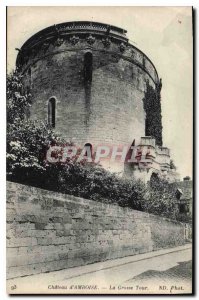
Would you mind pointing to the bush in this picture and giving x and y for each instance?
(27, 141)
(161, 199)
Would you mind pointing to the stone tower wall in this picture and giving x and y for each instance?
(107, 110)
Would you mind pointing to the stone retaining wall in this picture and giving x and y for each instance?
(48, 231)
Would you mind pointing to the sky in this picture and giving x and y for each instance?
(164, 34)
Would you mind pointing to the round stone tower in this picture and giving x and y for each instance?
(89, 83)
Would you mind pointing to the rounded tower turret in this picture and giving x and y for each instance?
(88, 82)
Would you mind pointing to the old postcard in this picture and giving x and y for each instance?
(99, 150)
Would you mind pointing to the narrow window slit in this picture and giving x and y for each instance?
(88, 67)
(51, 112)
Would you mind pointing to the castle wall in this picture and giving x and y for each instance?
(111, 101)
(48, 231)
(109, 109)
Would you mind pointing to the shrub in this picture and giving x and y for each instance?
(161, 199)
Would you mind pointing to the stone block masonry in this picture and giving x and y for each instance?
(103, 107)
(48, 231)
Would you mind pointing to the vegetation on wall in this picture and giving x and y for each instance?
(27, 143)
(152, 107)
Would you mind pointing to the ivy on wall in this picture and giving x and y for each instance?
(152, 107)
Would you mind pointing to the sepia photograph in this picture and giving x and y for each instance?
(99, 150)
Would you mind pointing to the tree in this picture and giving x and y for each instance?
(18, 100)
(26, 140)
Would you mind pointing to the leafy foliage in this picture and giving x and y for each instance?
(26, 140)
(152, 108)
(161, 199)
(26, 145)
(18, 100)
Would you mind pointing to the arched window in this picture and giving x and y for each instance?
(51, 112)
(88, 67)
(89, 147)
